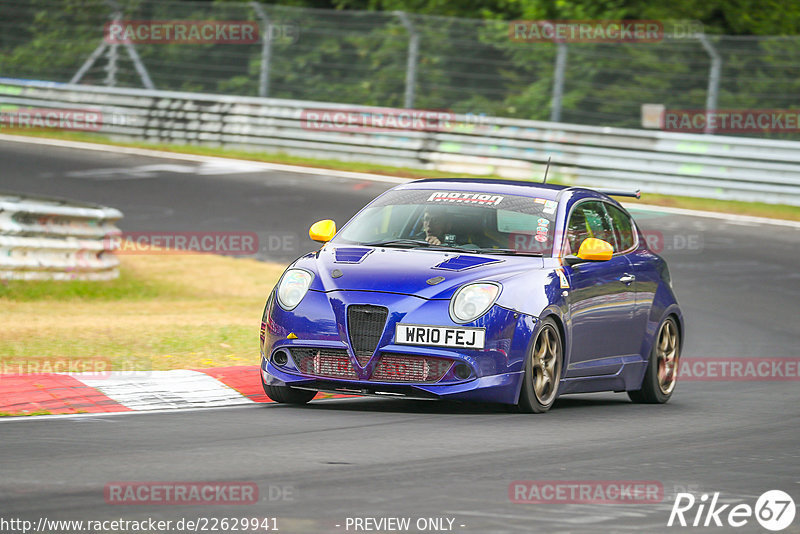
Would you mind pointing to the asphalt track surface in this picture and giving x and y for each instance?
(738, 285)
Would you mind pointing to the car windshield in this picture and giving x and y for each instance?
(458, 220)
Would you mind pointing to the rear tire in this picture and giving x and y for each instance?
(662, 367)
(542, 375)
(287, 394)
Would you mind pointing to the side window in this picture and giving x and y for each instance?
(588, 219)
(622, 227)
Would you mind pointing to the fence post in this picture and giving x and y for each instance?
(558, 82)
(88, 63)
(112, 56)
(411, 63)
(139, 66)
(266, 50)
(713, 80)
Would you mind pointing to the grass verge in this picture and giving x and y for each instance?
(758, 209)
(25, 414)
(163, 312)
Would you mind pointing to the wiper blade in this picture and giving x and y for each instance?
(508, 251)
(412, 243)
(399, 242)
(452, 247)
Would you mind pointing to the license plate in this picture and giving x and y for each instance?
(439, 336)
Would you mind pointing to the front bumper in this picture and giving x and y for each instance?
(502, 388)
(496, 370)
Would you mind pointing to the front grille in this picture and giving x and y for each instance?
(365, 327)
(402, 368)
(331, 363)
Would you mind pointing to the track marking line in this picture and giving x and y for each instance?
(220, 161)
(67, 417)
(250, 405)
(216, 160)
(165, 389)
(52, 392)
(729, 217)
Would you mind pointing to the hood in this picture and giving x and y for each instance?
(430, 274)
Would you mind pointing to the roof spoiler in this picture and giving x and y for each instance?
(637, 194)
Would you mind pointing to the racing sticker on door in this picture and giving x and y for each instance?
(562, 278)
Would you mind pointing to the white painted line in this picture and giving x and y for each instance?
(160, 390)
(219, 161)
(730, 217)
(66, 416)
(255, 165)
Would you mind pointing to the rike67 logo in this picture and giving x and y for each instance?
(774, 510)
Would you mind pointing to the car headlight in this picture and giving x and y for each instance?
(293, 287)
(472, 301)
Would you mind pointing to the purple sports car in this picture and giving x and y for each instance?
(476, 290)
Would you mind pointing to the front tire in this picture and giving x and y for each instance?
(662, 368)
(287, 394)
(542, 370)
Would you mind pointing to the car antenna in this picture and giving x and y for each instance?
(546, 169)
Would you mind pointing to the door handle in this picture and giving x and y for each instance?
(627, 278)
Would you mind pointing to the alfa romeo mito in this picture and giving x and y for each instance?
(476, 290)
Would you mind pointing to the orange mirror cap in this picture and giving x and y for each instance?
(595, 250)
(322, 231)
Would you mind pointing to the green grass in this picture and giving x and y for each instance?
(25, 414)
(128, 286)
(164, 312)
(758, 209)
(156, 348)
(271, 157)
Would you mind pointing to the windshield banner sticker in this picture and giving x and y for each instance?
(465, 198)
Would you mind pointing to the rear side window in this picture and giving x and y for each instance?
(622, 227)
(589, 219)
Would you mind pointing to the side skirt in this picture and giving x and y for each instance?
(628, 378)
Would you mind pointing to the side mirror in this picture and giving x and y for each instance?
(591, 250)
(322, 231)
(595, 250)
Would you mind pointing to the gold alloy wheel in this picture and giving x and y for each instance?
(546, 365)
(667, 356)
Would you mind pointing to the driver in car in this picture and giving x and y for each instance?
(436, 227)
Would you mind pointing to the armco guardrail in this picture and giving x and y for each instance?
(710, 166)
(51, 239)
